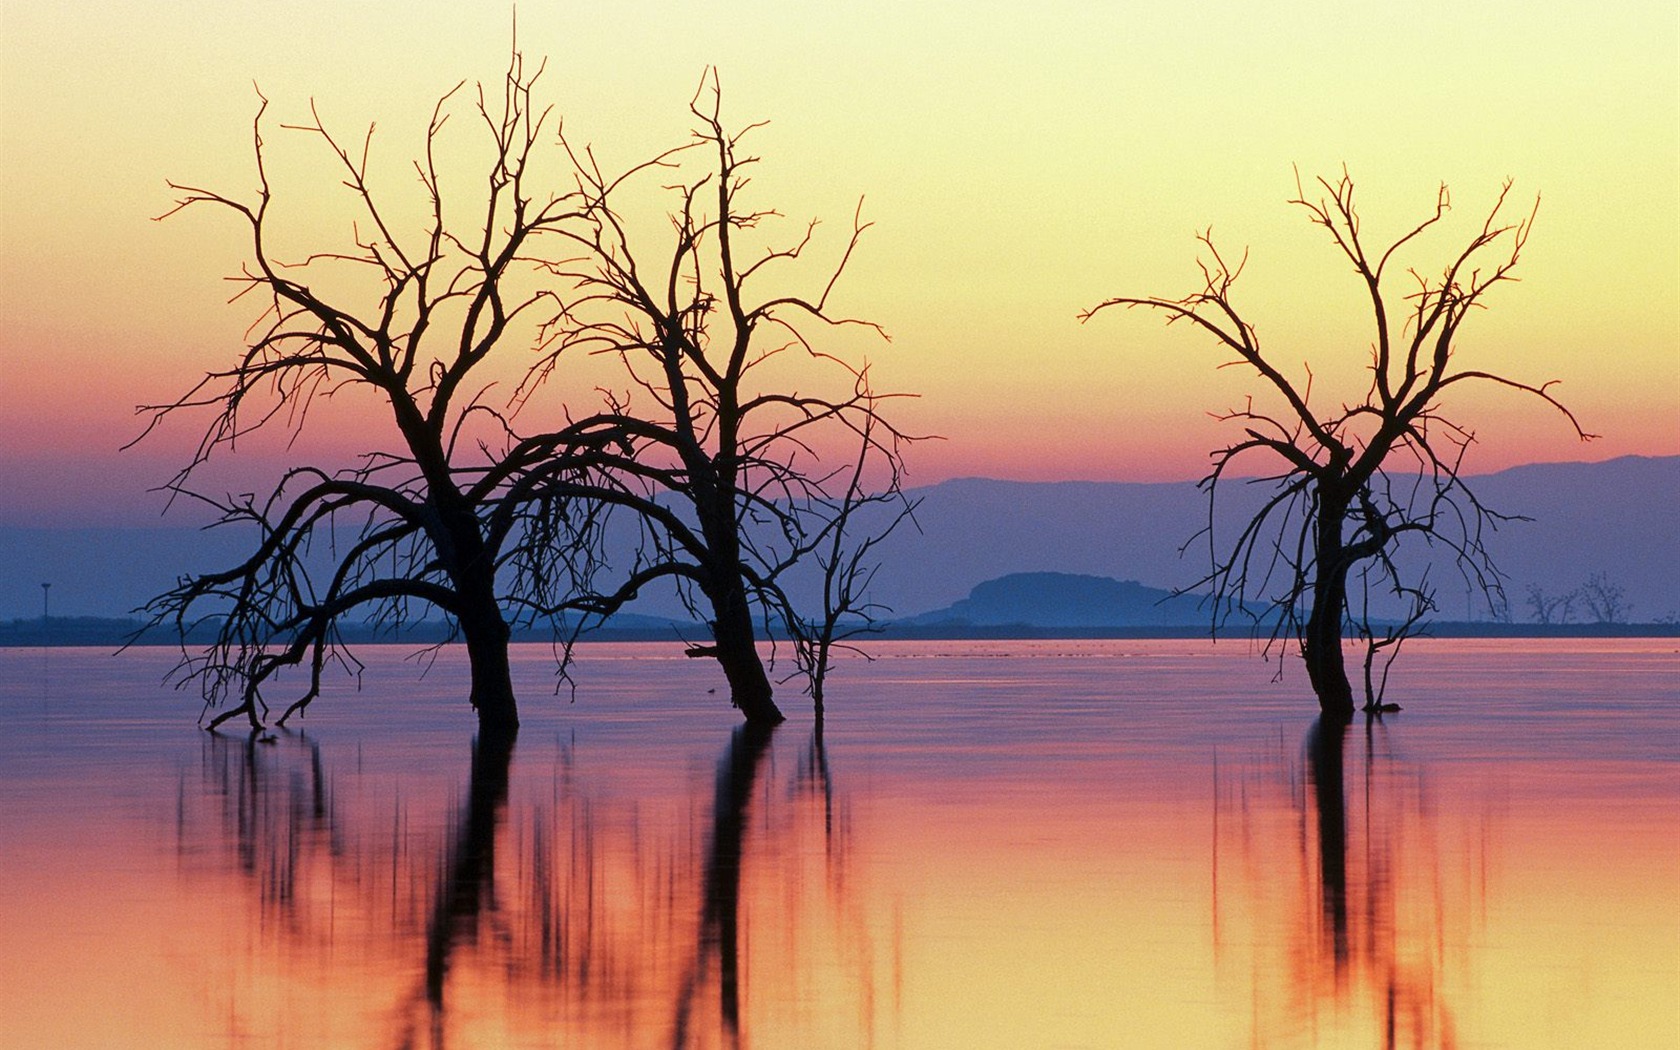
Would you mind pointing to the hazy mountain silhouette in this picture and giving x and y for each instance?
(1061, 599)
(1620, 517)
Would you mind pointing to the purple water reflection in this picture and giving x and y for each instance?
(1135, 843)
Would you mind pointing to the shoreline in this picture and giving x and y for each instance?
(71, 632)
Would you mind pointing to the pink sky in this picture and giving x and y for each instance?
(1020, 164)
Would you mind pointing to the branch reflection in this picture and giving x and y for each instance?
(1361, 906)
(538, 904)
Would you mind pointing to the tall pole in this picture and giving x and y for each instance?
(46, 589)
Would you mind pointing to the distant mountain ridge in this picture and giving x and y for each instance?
(1617, 517)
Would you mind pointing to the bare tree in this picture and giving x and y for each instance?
(845, 560)
(1551, 608)
(1604, 599)
(1349, 483)
(719, 462)
(429, 521)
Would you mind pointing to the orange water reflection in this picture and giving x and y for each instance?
(1091, 845)
(1358, 911)
(555, 917)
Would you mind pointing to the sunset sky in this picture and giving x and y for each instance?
(1020, 163)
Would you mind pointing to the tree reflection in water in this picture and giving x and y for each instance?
(720, 918)
(469, 879)
(1353, 909)
(542, 912)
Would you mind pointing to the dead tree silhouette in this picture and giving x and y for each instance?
(1348, 485)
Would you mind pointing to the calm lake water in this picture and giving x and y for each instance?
(1033, 844)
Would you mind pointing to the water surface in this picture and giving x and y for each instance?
(1033, 844)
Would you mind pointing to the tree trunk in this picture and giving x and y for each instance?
(1321, 642)
(471, 566)
(1321, 648)
(737, 654)
(734, 643)
(487, 637)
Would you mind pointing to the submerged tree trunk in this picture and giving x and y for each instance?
(734, 644)
(737, 654)
(492, 697)
(1321, 649)
(457, 536)
(1321, 642)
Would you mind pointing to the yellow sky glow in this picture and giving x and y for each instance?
(1020, 162)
